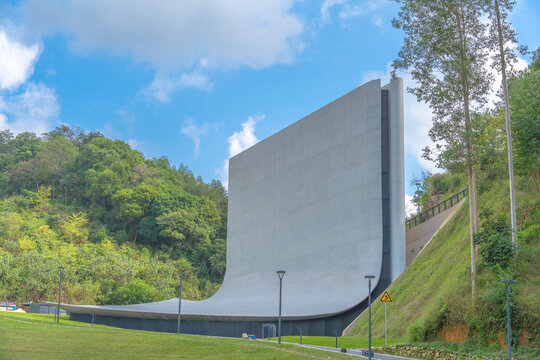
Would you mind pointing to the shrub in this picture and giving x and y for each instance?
(415, 332)
(495, 245)
(136, 291)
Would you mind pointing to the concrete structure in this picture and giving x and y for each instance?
(321, 199)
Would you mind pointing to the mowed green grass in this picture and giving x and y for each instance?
(37, 337)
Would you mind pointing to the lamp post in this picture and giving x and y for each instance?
(179, 302)
(369, 277)
(507, 284)
(59, 293)
(300, 331)
(280, 273)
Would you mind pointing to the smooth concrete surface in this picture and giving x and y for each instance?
(419, 236)
(397, 176)
(306, 200)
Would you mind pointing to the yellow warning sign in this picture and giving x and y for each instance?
(386, 297)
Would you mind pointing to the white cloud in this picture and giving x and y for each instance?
(176, 34)
(181, 40)
(366, 8)
(327, 5)
(377, 20)
(238, 142)
(195, 132)
(134, 143)
(417, 117)
(164, 84)
(349, 11)
(410, 208)
(16, 61)
(31, 110)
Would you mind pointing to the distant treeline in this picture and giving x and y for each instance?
(122, 225)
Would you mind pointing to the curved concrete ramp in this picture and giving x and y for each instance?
(314, 200)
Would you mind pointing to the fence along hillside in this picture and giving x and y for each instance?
(435, 210)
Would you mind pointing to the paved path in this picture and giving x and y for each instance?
(353, 352)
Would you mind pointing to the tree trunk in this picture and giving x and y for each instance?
(473, 223)
(508, 129)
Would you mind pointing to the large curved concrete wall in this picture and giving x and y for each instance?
(308, 200)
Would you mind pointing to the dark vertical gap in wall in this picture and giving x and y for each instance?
(385, 276)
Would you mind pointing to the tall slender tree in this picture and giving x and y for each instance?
(445, 49)
(503, 40)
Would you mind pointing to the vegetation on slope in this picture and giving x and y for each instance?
(122, 225)
(434, 293)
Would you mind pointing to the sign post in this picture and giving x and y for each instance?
(386, 299)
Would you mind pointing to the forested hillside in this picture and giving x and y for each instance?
(122, 225)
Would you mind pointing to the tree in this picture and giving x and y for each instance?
(75, 228)
(525, 109)
(445, 47)
(504, 37)
(55, 155)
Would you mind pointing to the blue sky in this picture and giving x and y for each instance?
(197, 81)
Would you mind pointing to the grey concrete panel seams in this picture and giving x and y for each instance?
(308, 200)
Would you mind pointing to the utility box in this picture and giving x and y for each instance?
(269, 331)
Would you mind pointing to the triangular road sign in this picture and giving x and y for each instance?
(386, 297)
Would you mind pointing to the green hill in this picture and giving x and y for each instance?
(433, 296)
(121, 224)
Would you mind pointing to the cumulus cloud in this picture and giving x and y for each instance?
(16, 61)
(182, 40)
(33, 109)
(172, 34)
(195, 132)
(238, 142)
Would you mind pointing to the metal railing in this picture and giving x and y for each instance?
(435, 210)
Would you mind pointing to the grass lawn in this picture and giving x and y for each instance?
(35, 336)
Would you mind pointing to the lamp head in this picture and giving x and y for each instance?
(369, 277)
(280, 273)
(61, 267)
(508, 281)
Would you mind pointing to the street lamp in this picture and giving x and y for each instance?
(280, 273)
(507, 284)
(59, 293)
(179, 302)
(369, 277)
